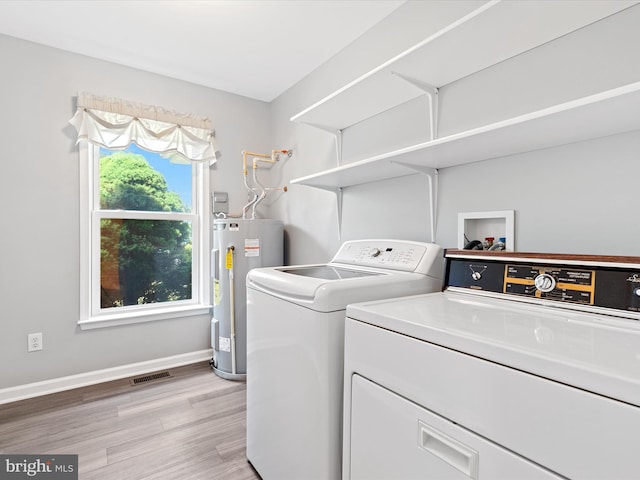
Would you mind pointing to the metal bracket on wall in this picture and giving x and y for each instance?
(432, 93)
(337, 135)
(338, 193)
(432, 175)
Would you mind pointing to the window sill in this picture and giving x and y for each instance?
(130, 318)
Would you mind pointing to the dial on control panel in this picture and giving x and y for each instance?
(375, 252)
(545, 282)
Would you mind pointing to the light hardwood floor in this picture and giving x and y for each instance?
(189, 426)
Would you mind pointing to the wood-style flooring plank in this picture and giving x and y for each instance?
(189, 426)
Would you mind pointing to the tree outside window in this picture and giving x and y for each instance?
(143, 260)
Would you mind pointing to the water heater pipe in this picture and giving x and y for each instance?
(245, 209)
(258, 157)
(263, 189)
(263, 192)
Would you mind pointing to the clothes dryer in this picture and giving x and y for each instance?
(526, 366)
(295, 335)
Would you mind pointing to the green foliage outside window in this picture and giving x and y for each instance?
(141, 261)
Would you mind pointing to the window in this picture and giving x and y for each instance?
(144, 235)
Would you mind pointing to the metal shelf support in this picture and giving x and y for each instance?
(432, 175)
(338, 193)
(337, 135)
(432, 94)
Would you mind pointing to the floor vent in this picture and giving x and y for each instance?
(150, 378)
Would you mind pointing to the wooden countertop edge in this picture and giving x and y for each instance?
(499, 255)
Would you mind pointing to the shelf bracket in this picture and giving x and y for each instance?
(337, 135)
(432, 94)
(338, 193)
(432, 175)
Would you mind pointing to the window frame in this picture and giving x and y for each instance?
(92, 315)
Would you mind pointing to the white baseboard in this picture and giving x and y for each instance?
(30, 390)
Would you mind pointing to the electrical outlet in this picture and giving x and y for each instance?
(34, 342)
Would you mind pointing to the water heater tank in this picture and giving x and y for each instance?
(238, 246)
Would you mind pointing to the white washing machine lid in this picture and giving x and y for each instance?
(328, 272)
(593, 352)
(331, 287)
(360, 271)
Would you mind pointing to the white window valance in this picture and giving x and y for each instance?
(115, 124)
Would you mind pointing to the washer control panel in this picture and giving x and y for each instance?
(391, 254)
(608, 284)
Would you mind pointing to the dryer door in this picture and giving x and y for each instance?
(392, 437)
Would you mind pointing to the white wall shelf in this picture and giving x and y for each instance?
(607, 113)
(458, 46)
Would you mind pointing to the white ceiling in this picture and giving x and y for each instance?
(254, 48)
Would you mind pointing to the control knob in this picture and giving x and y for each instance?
(545, 282)
(375, 252)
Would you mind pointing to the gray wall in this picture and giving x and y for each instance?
(574, 198)
(39, 187)
(570, 199)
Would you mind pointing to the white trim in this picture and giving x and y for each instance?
(86, 206)
(203, 209)
(46, 387)
(144, 215)
(129, 316)
(92, 315)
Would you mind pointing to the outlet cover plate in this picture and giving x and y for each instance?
(34, 342)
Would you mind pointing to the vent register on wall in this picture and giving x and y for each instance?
(458, 47)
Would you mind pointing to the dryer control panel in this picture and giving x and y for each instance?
(426, 258)
(602, 282)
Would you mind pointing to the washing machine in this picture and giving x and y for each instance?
(526, 366)
(295, 337)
